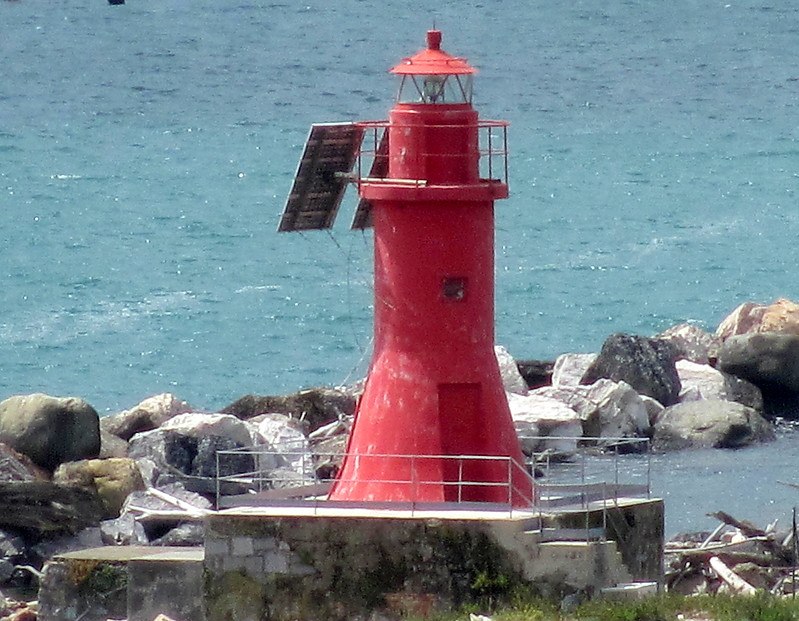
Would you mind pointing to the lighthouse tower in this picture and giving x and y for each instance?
(433, 423)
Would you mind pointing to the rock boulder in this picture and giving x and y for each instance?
(148, 415)
(692, 343)
(765, 358)
(536, 417)
(314, 407)
(536, 373)
(607, 409)
(43, 509)
(15, 466)
(186, 447)
(701, 381)
(645, 364)
(112, 479)
(50, 430)
(710, 424)
(750, 317)
(512, 379)
(570, 368)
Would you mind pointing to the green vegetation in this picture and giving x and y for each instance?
(661, 608)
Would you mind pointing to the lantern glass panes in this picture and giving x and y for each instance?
(435, 89)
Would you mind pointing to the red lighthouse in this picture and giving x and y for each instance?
(433, 423)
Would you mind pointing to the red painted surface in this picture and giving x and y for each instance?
(434, 386)
(433, 60)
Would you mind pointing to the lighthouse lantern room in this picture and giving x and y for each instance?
(433, 423)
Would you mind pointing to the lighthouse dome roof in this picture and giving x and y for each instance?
(433, 60)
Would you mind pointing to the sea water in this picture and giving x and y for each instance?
(146, 151)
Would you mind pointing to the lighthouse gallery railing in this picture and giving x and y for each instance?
(492, 151)
(291, 477)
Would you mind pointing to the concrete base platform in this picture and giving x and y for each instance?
(335, 563)
(344, 563)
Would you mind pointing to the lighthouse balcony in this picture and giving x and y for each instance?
(490, 152)
(375, 188)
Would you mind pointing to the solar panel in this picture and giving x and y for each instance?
(378, 170)
(322, 176)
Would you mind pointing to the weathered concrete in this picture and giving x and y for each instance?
(169, 582)
(328, 565)
(344, 563)
(123, 582)
(636, 527)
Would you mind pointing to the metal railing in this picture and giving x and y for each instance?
(267, 482)
(492, 150)
(593, 470)
(260, 476)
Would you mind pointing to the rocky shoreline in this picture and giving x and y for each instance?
(70, 479)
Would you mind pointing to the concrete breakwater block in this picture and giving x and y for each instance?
(630, 591)
(123, 582)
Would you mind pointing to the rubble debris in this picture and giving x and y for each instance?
(737, 557)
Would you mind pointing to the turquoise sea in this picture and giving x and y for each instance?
(146, 151)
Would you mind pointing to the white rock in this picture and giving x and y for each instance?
(279, 431)
(689, 393)
(700, 381)
(570, 368)
(164, 406)
(198, 425)
(542, 416)
(606, 408)
(512, 380)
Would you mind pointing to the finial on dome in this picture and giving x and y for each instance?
(433, 39)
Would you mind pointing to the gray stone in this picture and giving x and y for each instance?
(701, 381)
(111, 445)
(41, 508)
(607, 409)
(6, 570)
(536, 373)
(178, 454)
(12, 546)
(763, 358)
(50, 430)
(288, 443)
(645, 364)
(536, 416)
(710, 424)
(315, 407)
(653, 409)
(87, 538)
(184, 535)
(123, 531)
(146, 416)
(15, 466)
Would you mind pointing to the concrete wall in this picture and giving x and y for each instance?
(332, 568)
(170, 582)
(637, 528)
(123, 582)
(258, 566)
(344, 568)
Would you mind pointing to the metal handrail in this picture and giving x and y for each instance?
(488, 149)
(545, 495)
